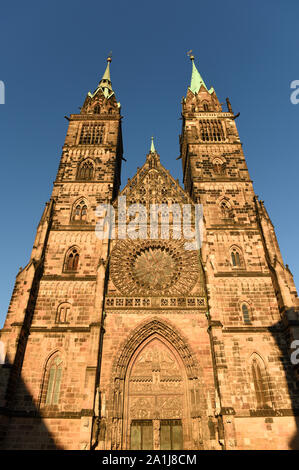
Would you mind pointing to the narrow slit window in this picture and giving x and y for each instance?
(246, 316)
(235, 257)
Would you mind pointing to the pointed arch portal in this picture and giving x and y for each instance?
(156, 390)
(155, 397)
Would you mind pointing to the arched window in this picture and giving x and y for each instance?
(245, 313)
(72, 260)
(84, 212)
(80, 211)
(63, 312)
(260, 383)
(205, 107)
(85, 171)
(218, 166)
(226, 210)
(236, 257)
(53, 381)
(97, 109)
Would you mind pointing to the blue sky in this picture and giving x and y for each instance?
(53, 53)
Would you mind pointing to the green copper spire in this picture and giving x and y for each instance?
(196, 79)
(106, 75)
(153, 150)
(105, 84)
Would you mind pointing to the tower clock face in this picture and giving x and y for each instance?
(153, 267)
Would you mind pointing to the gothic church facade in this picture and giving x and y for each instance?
(131, 342)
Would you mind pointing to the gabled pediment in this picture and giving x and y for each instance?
(153, 184)
(98, 103)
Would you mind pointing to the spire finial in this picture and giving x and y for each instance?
(106, 75)
(109, 58)
(190, 55)
(153, 150)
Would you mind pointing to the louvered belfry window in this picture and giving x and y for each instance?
(85, 171)
(211, 130)
(91, 134)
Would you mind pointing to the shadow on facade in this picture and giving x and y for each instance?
(22, 427)
(282, 335)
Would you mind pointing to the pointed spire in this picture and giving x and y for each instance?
(105, 84)
(196, 79)
(152, 157)
(106, 75)
(153, 150)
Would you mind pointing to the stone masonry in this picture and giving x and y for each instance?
(139, 343)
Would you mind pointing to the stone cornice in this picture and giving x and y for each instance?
(73, 228)
(94, 117)
(233, 228)
(199, 179)
(46, 413)
(242, 274)
(60, 329)
(71, 277)
(250, 329)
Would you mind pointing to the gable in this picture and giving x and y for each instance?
(153, 184)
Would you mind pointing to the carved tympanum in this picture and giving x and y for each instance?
(156, 388)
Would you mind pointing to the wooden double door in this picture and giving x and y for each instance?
(167, 433)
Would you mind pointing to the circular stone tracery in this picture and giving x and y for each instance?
(153, 268)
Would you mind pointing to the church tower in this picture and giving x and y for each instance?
(174, 332)
(253, 303)
(52, 331)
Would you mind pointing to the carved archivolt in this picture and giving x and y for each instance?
(167, 332)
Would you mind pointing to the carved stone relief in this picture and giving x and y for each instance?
(156, 384)
(154, 267)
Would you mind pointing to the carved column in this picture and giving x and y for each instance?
(156, 434)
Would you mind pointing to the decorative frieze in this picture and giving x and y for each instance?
(154, 302)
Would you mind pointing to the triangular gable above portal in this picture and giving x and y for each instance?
(153, 184)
